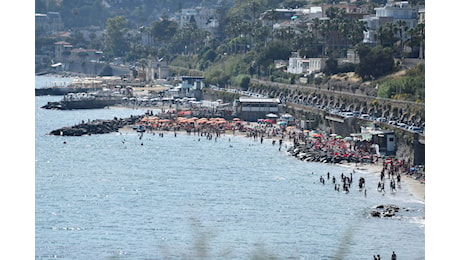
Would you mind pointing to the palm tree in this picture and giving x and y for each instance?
(315, 27)
(386, 36)
(356, 35)
(401, 27)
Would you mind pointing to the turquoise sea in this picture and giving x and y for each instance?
(116, 196)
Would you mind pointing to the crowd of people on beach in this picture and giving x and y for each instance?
(356, 150)
(214, 128)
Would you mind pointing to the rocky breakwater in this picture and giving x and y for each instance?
(306, 153)
(97, 126)
(384, 211)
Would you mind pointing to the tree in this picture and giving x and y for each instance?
(331, 66)
(386, 35)
(401, 28)
(162, 31)
(245, 82)
(116, 44)
(374, 62)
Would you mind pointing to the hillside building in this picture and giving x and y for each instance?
(390, 13)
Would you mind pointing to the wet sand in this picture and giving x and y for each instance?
(414, 186)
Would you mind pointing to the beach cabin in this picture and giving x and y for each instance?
(251, 109)
(383, 140)
(190, 87)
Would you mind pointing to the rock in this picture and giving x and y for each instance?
(386, 211)
(375, 213)
(96, 127)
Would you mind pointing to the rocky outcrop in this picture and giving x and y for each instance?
(304, 153)
(96, 126)
(384, 211)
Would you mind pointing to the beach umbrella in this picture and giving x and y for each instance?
(236, 119)
(271, 115)
(184, 113)
(338, 137)
(282, 123)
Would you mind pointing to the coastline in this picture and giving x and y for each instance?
(414, 187)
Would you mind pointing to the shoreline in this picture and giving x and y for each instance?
(414, 187)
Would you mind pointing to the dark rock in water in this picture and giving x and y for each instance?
(96, 127)
(386, 211)
(375, 213)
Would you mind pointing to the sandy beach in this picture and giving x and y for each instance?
(416, 188)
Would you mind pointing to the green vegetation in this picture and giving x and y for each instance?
(410, 87)
(375, 62)
(116, 43)
(243, 46)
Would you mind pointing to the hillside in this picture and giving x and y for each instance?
(95, 13)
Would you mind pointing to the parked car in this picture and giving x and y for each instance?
(416, 129)
(347, 114)
(365, 116)
(381, 119)
(402, 125)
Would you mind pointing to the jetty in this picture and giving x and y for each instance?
(97, 126)
(83, 104)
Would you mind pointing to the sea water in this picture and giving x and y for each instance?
(123, 196)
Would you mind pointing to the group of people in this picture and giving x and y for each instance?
(393, 256)
(345, 182)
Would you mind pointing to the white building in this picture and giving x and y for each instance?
(190, 87)
(251, 109)
(298, 65)
(157, 69)
(391, 12)
(204, 18)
